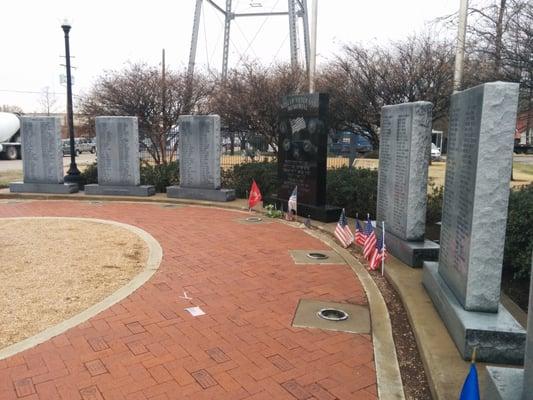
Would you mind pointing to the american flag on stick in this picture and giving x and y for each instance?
(380, 253)
(370, 240)
(342, 231)
(359, 234)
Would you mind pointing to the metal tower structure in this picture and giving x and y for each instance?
(296, 9)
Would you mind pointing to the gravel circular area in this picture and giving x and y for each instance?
(54, 268)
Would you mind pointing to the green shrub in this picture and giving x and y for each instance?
(240, 177)
(160, 175)
(272, 212)
(90, 174)
(519, 233)
(434, 203)
(354, 189)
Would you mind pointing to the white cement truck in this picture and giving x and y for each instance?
(9, 136)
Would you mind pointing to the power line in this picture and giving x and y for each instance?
(33, 92)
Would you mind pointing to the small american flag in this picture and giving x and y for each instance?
(370, 240)
(342, 231)
(359, 234)
(380, 253)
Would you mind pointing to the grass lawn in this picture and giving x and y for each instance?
(6, 177)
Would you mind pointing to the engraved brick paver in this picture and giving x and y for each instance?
(96, 367)
(218, 355)
(98, 344)
(204, 378)
(147, 347)
(24, 387)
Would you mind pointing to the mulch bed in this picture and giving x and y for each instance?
(415, 384)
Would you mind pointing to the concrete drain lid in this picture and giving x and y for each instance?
(254, 219)
(317, 256)
(333, 314)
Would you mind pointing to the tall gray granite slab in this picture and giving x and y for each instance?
(117, 141)
(515, 383)
(200, 146)
(506, 384)
(497, 337)
(42, 157)
(476, 192)
(404, 151)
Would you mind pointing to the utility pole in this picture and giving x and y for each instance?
(460, 49)
(312, 58)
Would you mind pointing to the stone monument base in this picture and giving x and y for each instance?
(498, 337)
(201, 194)
(53, 188)
(409, 252)
(504, 383)
(118, 190)
(318, 213)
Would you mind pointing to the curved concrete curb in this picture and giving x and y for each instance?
(389, 380)
(155, 255)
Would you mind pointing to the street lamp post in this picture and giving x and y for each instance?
(73, 173)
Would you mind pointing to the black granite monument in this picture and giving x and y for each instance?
(302, 155)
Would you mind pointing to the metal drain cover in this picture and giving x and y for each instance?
(332, 314)
(340, 317)
(254, 219)
(317, 256)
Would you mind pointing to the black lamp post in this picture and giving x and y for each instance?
(73, 173)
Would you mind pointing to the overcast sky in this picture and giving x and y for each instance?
(107, 34)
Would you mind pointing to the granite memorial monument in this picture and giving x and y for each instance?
(404, 150)
(117, 143)
(302, 156)
(464, 284)
(515, 383)
(42, 157)
(200, 146)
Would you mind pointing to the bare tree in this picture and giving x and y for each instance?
(249, 100)
(48, 100)
(11, 109)
(140, 90)
(362, 80)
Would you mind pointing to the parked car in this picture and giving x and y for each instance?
(82, 145)
(342, 145)
(435, 153)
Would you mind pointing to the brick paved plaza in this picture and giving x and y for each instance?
(148, 347)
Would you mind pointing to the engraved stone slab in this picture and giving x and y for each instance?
(200, 147)
(404, 150)
(515, 383)
(302, 155)
(117, 141)
(42, 153)
(478, 171)
(303, 146)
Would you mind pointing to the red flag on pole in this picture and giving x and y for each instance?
(255, 195)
